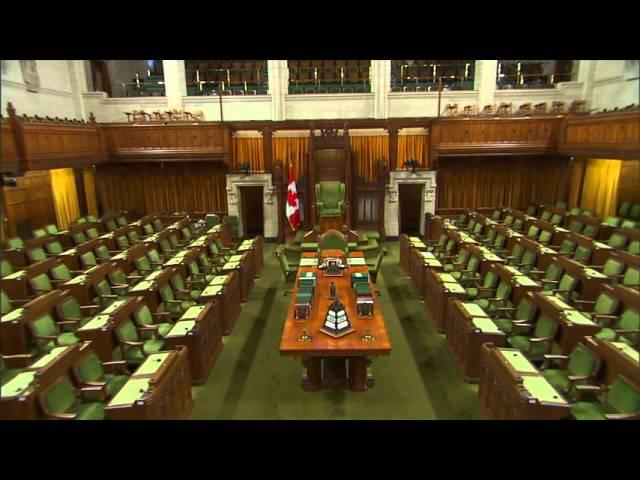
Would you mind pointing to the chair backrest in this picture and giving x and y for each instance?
(546, 215)
(624, 209)
(567, 282)
(623, 396)
(562, 205)
(575, 226)
(193, 268)
(44, 325)
(153, 255)
(330, 193)
(91, 218)
(5, 303)
(211, 220)
(526, 310)
(567, 246)
(166, 293)
(499, 241)
(613, 221)
(61, 272)
(121, 220)
(503, 291)
(491, 235)
(545, 327)
(51, 229)
(60, 396)
(463, 256)
(133, 236)
(575, 211)
(477, 228)
(582, 254)
(517, 224)
(495, 215)
(508, 220)
(142, 263)
(617, 240)
(127, 332)
(606, 304)
(473, 264)
(628, 224)
(612, 267)
(630, 320)
(157, 224)
(490, 280)
(583, 362)
(554, 271)
(556, 219)
(15, 242)
(36, 254)
(143, 316)
(177, 283)
(123, 242)
(79, 238)
(545, 237)
(5, 268)
(635, 211)
(39, 233)
(284, 263)
(103, 288)
(590, 231)
(165, 246)
(147, 229)
(90, 369)
(173, 238)
(117, 277)
(517, 251)
(54, 247)
(332, 239)
(533, 231)
(632, 277)
(111, 225)
(93, 232)
(531, 210)
(88, 259)
(186, 233)
(40, 282)
(69, 308)
(102, 251)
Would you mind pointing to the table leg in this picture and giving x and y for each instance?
(358, 374)
(313, 380)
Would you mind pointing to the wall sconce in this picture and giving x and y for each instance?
(244, 168)
(411, 163)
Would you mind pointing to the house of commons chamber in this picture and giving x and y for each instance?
(320, 240)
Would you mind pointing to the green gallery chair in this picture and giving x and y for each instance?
(106, 378)
(575, 211)
(619, 401)
(232, 221)
(47, 333)
(111, 225)
(76, 315)
(631, 278)
(374, 269)
(79, 238)
(550, 277)
(40, 284)
(288, 269)
(133, 237)
(506, 317)
(211, 220)
(603, 309)
(133, 346)
(54, 247)
(517, 224)
(531, 211)
(102, 253)
(117, 278)
(539, 342)
(88, 260)
(497, 212)
(225, 251)
(556, 219)
(624, 209)
(491, 304)
(5, 268)
(546, 215)
(457, 263)
(591, 231)
(122, 242)
(15, 243)
(628, 224)
(498, 244)
(533, 232)
(623, 328)
(527, 262)
(489, 238)
(634, 213)
(147, 230)
(575, 226)
(485, 289)
(446, 253)
(515, 255)
(612, 268)
(197, 274)
(183, 289)
(562, 205)
(61, 401)
(105, 295)
(171, 304)
(51, 229)
(612, 221)
(578, 368)
(37, 255)
(147, 325)
(121, 220)
(508, 220)
(330, 198)
(165, 248)
(40, 232)
(93, 232)
(567, 288)
(617, 240)
(157, 224)
(545, 237)
(469, 274)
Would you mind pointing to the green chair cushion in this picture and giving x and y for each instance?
(89, 411)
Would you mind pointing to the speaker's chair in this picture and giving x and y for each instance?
(330, 198)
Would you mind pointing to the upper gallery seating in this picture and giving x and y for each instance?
(229, 77)
(329, 76)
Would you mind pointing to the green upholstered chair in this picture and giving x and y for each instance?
(527, 262)
(133, 236)
(155, 258)
(185, 290)
(211, 220)
(54, 247)
(288, 269)
(147, 230)
(5, 303)
(105, 379)
(580, 367)
(91, 218)
(105, 294)
(210, 266)
(612, 268)
(171, 304)
(330, 198)
(143, 265)
(15, 243)
(175, 243)
(197, 274)
(506, 317)
(81, 220)
(40, 284)
(61, 274)
(51, 229)
(217, 254)
(517, 224)
(628, 224)
(562, 205)
(624, 328)
(477, 229)
(545, 237)
(515, 256)
(459, 262)
(123, 242)
(93, 232)
(165, 247)
(135, 348)
(469, 274)
(47, 333)
(508, 220)
(111, 225)
(490, 304)
(495, 215)
(591, 231)
(582, 254)
(498, 243)
(447, 251)
(531, 210)
(374, 269)
(333, 239)
(232, 221)
(88, 260)
(187, 235)
(489, 238)
(534, 346)
(631, 278)
(620, 401)
(533, 232)
(612, 221)
(157, 224)
(624, 209)
(483, 290)
(61, 401)
(121, 220)
(222, 249)
(36, 255)
(69, 310)
(576, 226)
(39, 233)
(634, 213)
(79, 238)
(602, 310)
(575, 211)
(5, 268)
(546, 216)
(567, 248)
(118, 279)
(617, 240)
(567, 288)
(102, 253)
(550, 277)
(556, 219)
(470, 226)
(146, 323)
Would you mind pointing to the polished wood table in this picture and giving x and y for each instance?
(334, 362)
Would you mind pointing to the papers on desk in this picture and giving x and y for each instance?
(133, 390)
(17, 384)
(12, 315)
(99, 321)
(49, 357)
(219, 280)
(356, 262)
(309, 262)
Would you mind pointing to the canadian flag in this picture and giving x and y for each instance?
(293, 209)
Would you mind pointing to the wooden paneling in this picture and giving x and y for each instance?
(628, 190)
(8, 148)
(465, 136)
(30, 202)
(168, 142)
(56, 145)
(615, 135)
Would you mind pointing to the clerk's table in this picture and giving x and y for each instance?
(334, 362)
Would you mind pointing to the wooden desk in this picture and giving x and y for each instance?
(420, 263)
(618, 359)
(243, 266)
(439, 288)
(82, 286)
(149, 288)
(255, 246)
(330, 362)
(224, 290)
(200, 330)
(511, 388)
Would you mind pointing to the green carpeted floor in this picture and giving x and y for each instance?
(417, 381)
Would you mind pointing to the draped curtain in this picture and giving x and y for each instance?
(575, 181)
(65, 196)
(291, 151)
(88, 179)
(600, 189)
(413, 147)
(367, 151)
(163, 187)
(248, 150)
(510, 181)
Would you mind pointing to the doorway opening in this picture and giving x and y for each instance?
(410, 199)
(252, 210)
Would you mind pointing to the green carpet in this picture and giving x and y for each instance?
(417, 381)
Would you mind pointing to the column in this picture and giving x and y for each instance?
(586, 75)
(278, 88)
(380, 86)
(175, 83)
(485, 82)
(78, 81)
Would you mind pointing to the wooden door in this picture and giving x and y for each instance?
(410, 196)
(252, 211)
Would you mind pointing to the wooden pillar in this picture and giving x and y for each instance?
(18, 133)
(393, 146)
(267, 150)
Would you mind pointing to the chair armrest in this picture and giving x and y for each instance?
(68, 322)
(522, 325)
(621, 416)
(173, 301)
(549, 357)
(46, 337)
(626, 331)
(161, 314)
(588, 302)
(116, 366)
(101, 389)
(130, 343)
(108, 296)
(20, 360)
(61, 416)
(151, 328)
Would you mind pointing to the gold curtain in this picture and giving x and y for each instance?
(413, 146)
(367, 151)
(88, 179)
(291, 151)
(600, 189)
(65, 196)
(575, 182)
(509, 181)
(163, 187)
(248, 150)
